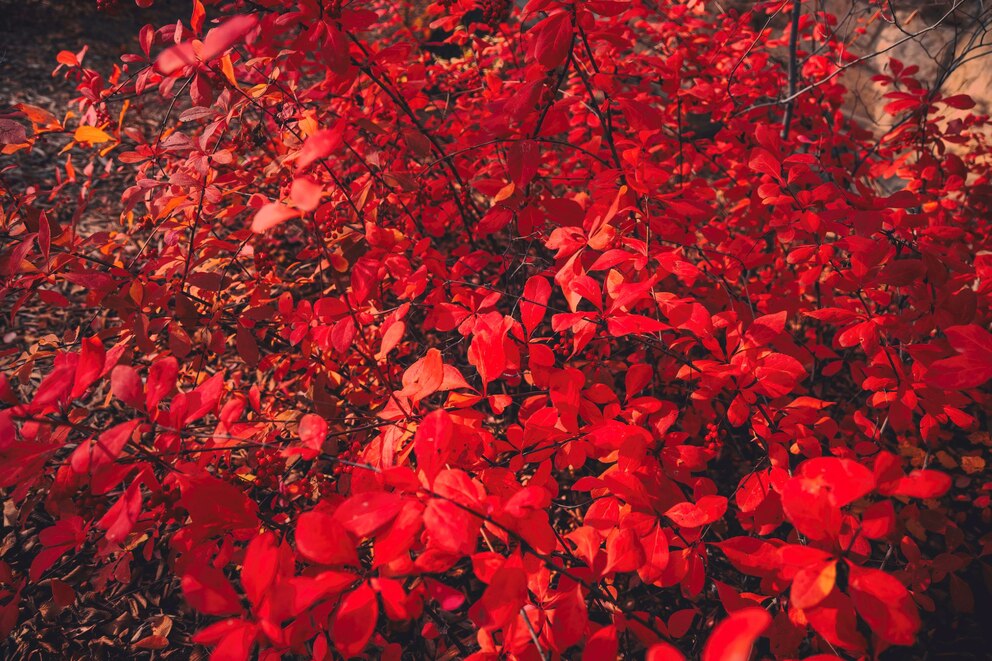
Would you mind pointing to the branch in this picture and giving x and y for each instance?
(793, 67)
(844, 67)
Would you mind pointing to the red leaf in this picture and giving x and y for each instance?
(656, 555)
(366, 513)
(844, 480)
(226, 35)
(208, 591)
(695, 515)
(569, 619)
(642, 116)
(120, 519)
(446, 596)
(972, 367)
(126, 385)
(486, 352)
(812, 584)
(321, 538)
(401, 535)
(217, 41)
(203, 399)
(271, 215)
(232, 638)
(553, 40)
(958, 373)
(364, 278)
(502, 600)
(161, 381)
(778, 374)
(199, 15)
(602, 645)
(534, 303)
(522, 160)
(663, 652)
(90, 365)
(623, 551)
(431, 444)
(621, 324)
(58, 539)
(306, 590)
(920, 484)
(313, 431)
(835, 620)
(879, 520)
(733, 638)
(763, 161)
(397, 604)
(457, 486)
(355, 620)
(810, 511)
(216, 505)
(452, 529)
(336, 51)
(54, 388)
(765, 329)
(885, 604)
(424, 377)
(305, 193)
(751, 555)
(111, 443)
(318, 146)
(261, 567)
(959, 101)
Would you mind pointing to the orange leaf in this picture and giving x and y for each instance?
(90, 135)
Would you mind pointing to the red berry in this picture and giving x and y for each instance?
(495, 12)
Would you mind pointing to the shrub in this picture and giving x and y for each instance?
(612, 333)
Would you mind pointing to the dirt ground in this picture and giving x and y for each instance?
(33, 32)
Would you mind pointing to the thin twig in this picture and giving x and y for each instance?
(793, 67)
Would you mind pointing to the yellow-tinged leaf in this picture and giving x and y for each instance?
(339, 263)
(505, 192)
(228, 69)
(981, 438)
(811, 585)
(307, 125)
(90, 135)
(972, 464)
(120, 117)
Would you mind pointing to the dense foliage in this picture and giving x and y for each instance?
(483, 330)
